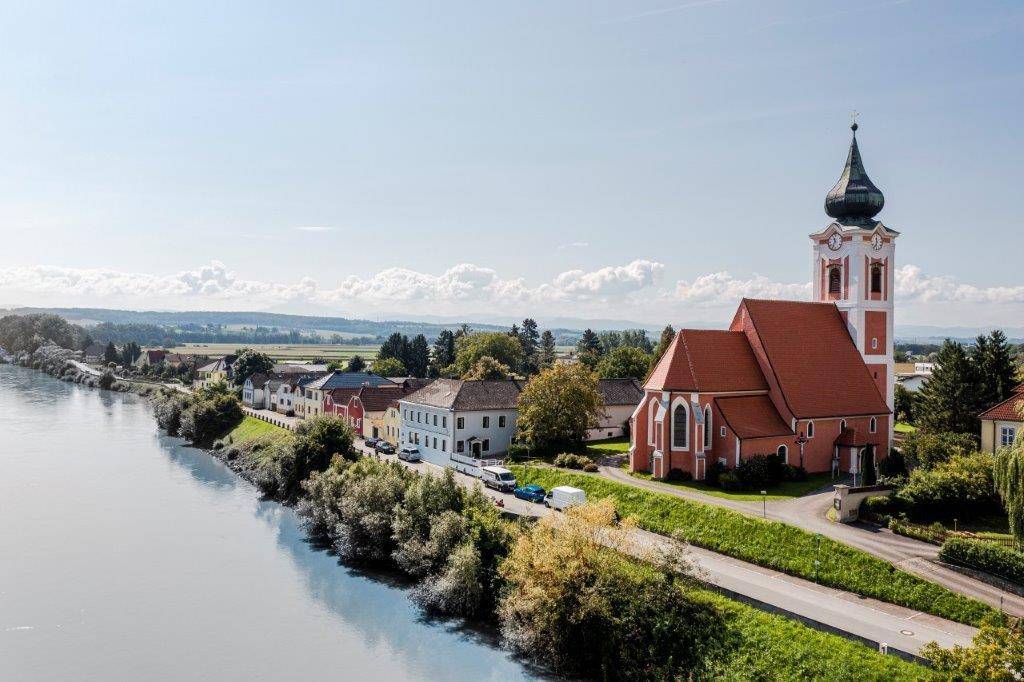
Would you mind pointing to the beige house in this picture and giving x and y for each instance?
(1003, 424)
(620, 396)
(392, 423)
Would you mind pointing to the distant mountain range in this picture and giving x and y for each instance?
(431, 325)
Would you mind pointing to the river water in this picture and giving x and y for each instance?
(125, 555)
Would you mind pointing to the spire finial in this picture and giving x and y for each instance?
(853, 117)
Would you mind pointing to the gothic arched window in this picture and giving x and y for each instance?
(834, 280)
(783, 453)
(679, 426)
(707, 427)
(876, 279)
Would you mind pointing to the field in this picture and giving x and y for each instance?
(283, 352)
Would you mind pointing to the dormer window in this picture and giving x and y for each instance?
(834, 280)
(876, 279)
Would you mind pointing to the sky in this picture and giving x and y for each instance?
(652, 160)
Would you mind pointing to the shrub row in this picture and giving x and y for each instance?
(570, 460)
(985, 556)
(767, 543)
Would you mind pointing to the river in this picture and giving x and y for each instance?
(125, 555)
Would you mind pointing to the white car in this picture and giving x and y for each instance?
(409, 453)
(564, 496)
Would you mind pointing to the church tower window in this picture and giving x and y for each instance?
(834, 280)
(876, 279)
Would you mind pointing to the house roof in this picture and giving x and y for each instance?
(259, 379)
(297, 368)
(348, 380)
(156, 355)
(850, 437)
(218, 365)
(620, 391)
(377, 398)
(1008, 410)
(460, 394)
(812, 355)
(752, 416)
(412, 383)
(708, 360)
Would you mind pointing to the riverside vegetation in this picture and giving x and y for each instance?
(557, 593)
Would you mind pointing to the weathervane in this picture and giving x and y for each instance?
(853, 117)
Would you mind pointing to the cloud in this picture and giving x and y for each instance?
(611, 280)
(315, 228)
(721, 288)
(913, 285)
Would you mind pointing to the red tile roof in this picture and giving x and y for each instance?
(377, 398)
(708, 360)
(752, 416)
(1008, 410)
(818, 367)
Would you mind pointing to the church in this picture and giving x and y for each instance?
(809, 381)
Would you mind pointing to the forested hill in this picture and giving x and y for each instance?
(193, 320)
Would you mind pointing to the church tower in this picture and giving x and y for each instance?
(854, 266)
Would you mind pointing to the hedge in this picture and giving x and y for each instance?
(769, 543)
(986, 556)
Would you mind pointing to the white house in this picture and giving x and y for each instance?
(254, 391)
(461, 424)
(620, 398)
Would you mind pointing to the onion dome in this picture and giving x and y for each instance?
(854, 196)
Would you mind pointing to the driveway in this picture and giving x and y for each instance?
(809, 512)
(853, 616)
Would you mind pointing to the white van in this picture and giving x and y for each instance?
(498, 478)
(564, 496)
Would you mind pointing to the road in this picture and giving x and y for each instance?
(848, 614)
(809, 513)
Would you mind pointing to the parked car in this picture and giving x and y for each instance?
(498, 478)
(409, 453)
(562, 497)
(384, 447)
(371, 442)
(530, 493)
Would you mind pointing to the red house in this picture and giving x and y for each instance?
(363, 406)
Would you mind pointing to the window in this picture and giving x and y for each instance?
(810, 429)
(783, 453)
(435, 443)
(679, 426)
(487, 444)
(873, 425)
(435, 420)
(874, 344)
(707, 427)
(444, 422)
(501, 422)
(460, 446)
(444, 446)
(834, 280)
(487, 422)
(418, 415)
(876, 279)
(460, 423)
(721, 431)
(1007, 435)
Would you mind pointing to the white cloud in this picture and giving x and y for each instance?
(721, 288)
(913, 285)
(610, 280)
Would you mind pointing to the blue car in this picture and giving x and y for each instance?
(530, 493)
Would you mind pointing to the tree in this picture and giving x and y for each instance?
(389, 367)
(926, 449)
(110, 353)
(904, 404)
(393, 347)
(418, 358)
(558, 407)
(107, 379)
(488, 369)
(356, 364)
(624, 362)
(501, 347)
(667, 334)
(317, 440)
(528, 338)
(248, 362)
(443, 353)
(997, 654)
(29, 332)
(1009, 480)
(993, 358)
(547, 350)
(949, 400)
(130, 352)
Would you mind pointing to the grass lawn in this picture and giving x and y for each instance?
(903, 427)
(768, 543)
(613, 446)
(786, 490)
(251, 428)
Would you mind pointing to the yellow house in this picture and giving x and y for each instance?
(1003, 424)
(391, 423)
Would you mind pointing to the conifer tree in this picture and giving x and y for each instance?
(418, 356)
(949, 400)
(993, 358)
(667, 334)
(547, 349)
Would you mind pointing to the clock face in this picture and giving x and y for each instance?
(835, 242)
(876, 242)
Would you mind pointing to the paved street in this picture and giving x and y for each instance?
(809, 512)
(867, 619)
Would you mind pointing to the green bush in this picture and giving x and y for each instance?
(986, 556)
(518, 451)
(772, 544)
(714, 471)
(678, 475)
(591, 467)
(317, 440)
(206, 419)
(760, 471)
(569, 460)
(959, 487)
(730, 482)
(924, 449)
